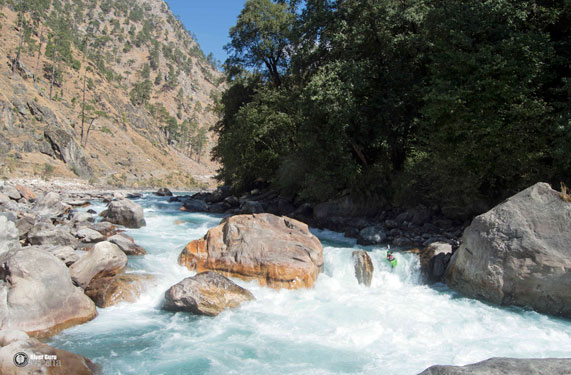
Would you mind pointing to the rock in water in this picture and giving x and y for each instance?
(54, 361)
(277, 251)
(37, 295)
(106, 259)
(108, 291)
(125, 212)
(363, 267)
(506, 366)
(127, 244)
(372, 236)
(207, 293)
(518, 253)
(433, 261)
(164, 192)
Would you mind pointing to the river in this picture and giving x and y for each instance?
(397, 326)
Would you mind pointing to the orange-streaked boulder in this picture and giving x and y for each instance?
(278, 252)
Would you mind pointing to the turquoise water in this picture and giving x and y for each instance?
(397, 326)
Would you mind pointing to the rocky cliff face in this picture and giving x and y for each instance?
(113, 91)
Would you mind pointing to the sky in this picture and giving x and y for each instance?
(210, 20)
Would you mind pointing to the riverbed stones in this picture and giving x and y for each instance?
(45, 233)
(108, 291)
(279, 252)
(53, 361)
(37, 295)
(506, 366)
(9, 237)
(26, 193)
(207, 293)
(363, 267)
(518, 253)
(164, 192)
(51, 206)
(126, 244)
(106, 259)
(125, 212)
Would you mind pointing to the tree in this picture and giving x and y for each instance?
(260, 38)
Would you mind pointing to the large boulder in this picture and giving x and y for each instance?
(108, 291)
(64, 253)
(506, 366)
(194, 205)
(363, 267)
(207, 293)
(9, 237)
(125, 212)
(518, 253)
(277, 251)
(106, 259)
(38, 358)
(50, 205)
(37, 295)
(45, 233)
(26, 192)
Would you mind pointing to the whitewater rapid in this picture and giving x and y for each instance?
(397, 326)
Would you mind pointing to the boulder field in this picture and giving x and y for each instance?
(276, 251)
(518, 253)
(506, 366)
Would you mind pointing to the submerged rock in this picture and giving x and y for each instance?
(506, 366)
(207, 293)
(106, 259)
(277, 251)
(518, 253)
(125, 212)
(54, 361)
(363, 267)
(108, 291)
(37, 294)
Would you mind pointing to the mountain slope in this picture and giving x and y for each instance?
(127, 71)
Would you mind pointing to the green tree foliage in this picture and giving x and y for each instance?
(455, 103)
(141, 92)
(261, 36)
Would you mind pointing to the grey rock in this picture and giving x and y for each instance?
(125, 212)
(106, 259)
(363, 267)
(518, 253)
(126, 244)
(164, 192)
(4, 198)
(24, 225)
(506, 366)
(66, 149)
(82, 218)
(218, 208)
(251, 207)
(374, 235)
(391, 224)
(434, 259)
(207, 293)
(232, 201)
(45, 233)
(87, 235)
(195, 205)
(37, 295)
(9, 237)
(11, 192)
(50, 205)
(105, 228)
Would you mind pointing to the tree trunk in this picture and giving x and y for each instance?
(89, 130)
(17, 59)
(83, 105)
(39, 54)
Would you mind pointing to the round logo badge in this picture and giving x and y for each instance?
(21, 359)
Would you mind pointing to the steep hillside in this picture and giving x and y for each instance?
(113, 91)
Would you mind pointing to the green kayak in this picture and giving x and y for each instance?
(393, 262)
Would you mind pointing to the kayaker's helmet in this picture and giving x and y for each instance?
(389, 252)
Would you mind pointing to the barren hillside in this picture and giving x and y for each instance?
(112, 91)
